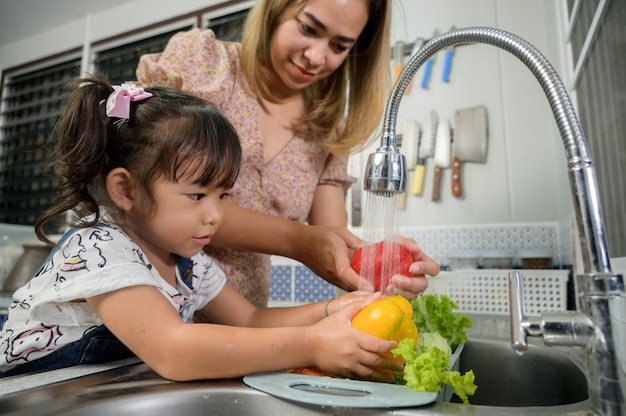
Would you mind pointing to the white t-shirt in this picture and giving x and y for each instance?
(45, 313)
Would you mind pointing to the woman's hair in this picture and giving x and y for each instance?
(165, 136)
(346, 107)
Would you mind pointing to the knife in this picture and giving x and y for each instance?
(398, 59)
(447, 61)
(424, 151)
(441, 157)
(412, 134)
(428, 66)
(470, 142)
(417, 45)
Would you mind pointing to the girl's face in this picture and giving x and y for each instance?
(312, 44)
(186, 217)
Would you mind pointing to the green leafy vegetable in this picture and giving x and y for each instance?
(434, 340)
(428, 368)
(434, 313)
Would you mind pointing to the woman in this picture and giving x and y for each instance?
(305, 88)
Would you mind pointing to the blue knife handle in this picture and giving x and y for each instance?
(447, 64)
(427, 70)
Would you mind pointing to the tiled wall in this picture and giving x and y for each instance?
(294, 283)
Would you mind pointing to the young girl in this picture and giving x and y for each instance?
(145, 175)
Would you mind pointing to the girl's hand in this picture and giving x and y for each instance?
(338, 348)
(360, 296)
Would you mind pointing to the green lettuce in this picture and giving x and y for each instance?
(434, 313)
(433, 340)
(427, 368)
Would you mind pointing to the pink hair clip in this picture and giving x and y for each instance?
(118, 103)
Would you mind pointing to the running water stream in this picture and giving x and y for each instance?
(380, 224)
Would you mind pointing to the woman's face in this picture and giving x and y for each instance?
(312, 44)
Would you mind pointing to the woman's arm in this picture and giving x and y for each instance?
(329, 206)
(245, 229)
(148, 325)
(324, 249)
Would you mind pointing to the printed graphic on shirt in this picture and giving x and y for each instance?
(39, 338)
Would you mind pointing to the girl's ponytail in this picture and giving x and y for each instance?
(80, 140)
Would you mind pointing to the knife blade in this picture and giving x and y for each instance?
(441, 157)
(470, 142)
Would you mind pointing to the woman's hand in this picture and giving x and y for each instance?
(327, 251)
(328, 254)
(411, 286)
(338, 348)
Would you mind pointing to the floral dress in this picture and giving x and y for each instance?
(197, 63)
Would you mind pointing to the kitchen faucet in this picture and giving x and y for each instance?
(599, 324)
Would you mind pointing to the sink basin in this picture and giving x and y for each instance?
(544, 381)
(542, 376)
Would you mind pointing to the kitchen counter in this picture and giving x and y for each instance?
(546, 385)
(17, 384)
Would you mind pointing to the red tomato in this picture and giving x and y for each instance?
(399, 262)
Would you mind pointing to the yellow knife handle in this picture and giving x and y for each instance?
(456, 177)
(436, 183)
(418, 180)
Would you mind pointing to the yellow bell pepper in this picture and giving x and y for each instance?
(389, 318)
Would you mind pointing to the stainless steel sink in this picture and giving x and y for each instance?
(542, 376)
(544, 381)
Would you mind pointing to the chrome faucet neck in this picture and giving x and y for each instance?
(601, 297)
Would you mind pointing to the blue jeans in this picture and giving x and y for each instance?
(95, 347)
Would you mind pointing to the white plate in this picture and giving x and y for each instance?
(328, 391)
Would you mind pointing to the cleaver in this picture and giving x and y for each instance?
(470, 142)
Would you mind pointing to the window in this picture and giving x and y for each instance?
(230, 27)
(597, 40)
(31, 105)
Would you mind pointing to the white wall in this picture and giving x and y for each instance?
(524, 177)
(525, 174)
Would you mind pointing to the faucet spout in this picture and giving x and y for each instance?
(385, 171)
(600, 323)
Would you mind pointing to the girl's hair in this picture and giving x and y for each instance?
(345, 123)
(165, 136)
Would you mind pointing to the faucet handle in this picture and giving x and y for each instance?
(516, 312)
